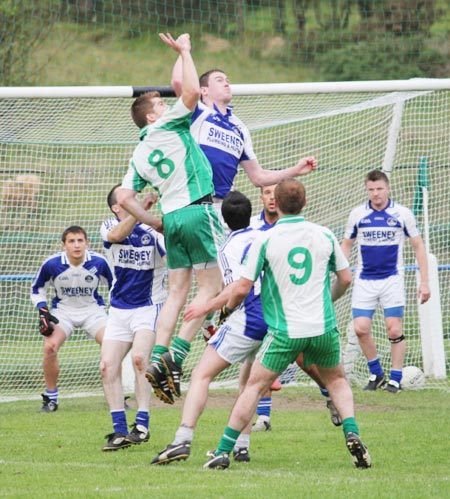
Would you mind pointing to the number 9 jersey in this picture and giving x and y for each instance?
(296, 258)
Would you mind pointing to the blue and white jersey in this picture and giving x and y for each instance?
(225, 140)
(231, 255)
(380, 236)
(76, 287)
(139, 268)
(259, 222)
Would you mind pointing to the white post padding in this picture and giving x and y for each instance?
(431, 331)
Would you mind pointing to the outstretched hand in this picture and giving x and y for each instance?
(183, 42)
(193, 311)
(306, 165)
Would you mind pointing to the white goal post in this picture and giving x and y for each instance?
(63, 148)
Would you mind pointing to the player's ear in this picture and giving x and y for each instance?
(151, 117)
(115, 208)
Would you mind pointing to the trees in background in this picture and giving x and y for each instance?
(339, 39)
(24, 25)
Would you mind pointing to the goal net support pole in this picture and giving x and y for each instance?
(430, 313)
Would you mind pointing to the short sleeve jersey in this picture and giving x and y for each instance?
(75, 286)
(139, 269)
(225, 140)
(296, 257)
(231, 255)
(380, 236)
(169, 159)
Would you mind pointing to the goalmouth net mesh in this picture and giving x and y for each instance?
(61, 156)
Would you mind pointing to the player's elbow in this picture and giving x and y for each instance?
(242, 289)
(345, 278)
(123, 197)
(191, 97)
(176, 85)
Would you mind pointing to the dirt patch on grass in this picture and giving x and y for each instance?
(288, 398)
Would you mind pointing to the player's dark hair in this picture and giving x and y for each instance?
(73, 229)
(141, 107)
(236, 210)
(290, 195)
(111, 197)
(204, 78)
(375, 175)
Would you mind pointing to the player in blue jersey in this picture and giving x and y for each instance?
(75, 274)
(380, 227)
(268, 216)
(237, 339)
(136, 254)
(296, 258)
(168, 159)
(226, 140)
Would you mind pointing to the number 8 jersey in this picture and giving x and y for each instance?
(169, 159)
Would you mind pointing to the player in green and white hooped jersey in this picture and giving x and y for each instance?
(296, 258)
(168, 159)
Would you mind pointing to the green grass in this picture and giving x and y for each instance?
(45, 455)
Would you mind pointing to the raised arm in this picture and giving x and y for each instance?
(177, 76)
(190, 86)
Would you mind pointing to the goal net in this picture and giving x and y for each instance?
(62, 152)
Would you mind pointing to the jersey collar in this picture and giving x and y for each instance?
(228, 114)
(287, 219)
(390, 204)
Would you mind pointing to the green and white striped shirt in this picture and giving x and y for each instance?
(296, 258)
(169, 159)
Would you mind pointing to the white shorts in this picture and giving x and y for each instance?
(123, 324)
(389, 293)
(91, 319)
(230, 343)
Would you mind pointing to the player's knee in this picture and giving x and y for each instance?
(104, 368)
(301, 364)
(139, 362)
(50, 349)
(107, 368)
(362, 332)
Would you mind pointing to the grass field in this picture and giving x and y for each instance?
(58, 455)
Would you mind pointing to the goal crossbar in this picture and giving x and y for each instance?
(56, 92)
